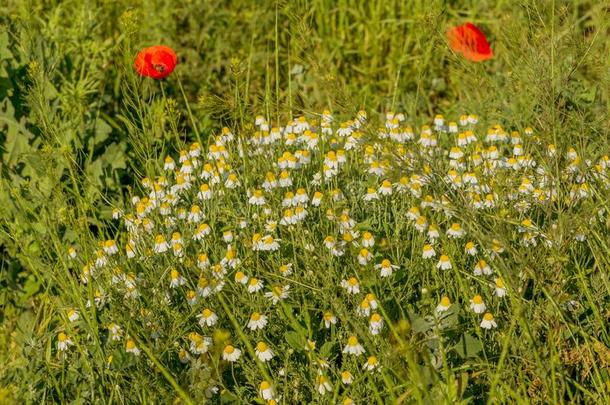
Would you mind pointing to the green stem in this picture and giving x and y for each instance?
(188, 109)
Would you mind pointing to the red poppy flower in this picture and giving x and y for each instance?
(468, 40)
(156, 61)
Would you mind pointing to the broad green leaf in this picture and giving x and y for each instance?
(296, 341)
(326, 349)
(468, 346)
(420, 325)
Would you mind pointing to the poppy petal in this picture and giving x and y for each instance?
(468, 40)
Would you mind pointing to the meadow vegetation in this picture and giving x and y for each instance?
(322, 203)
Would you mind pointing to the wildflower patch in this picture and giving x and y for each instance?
(318, 259)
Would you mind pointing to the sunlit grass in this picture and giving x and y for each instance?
(80, 130)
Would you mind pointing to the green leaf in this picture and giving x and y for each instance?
(420, 325)
(468, 346)
(450, 318)
(228, 397)
(102, 131)
(326, 349)
(17, 136)
(31, 287)
(295, 340)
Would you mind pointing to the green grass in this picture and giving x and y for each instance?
(79, 131)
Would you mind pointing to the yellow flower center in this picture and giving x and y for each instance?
(261, 346)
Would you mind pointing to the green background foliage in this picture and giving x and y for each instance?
(77, 126)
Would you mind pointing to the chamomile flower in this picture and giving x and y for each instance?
(351, 285)
(130, 347)
(482, 268)
(232, 181)
(257, 321)
(346, 377)
(433, 232)
(263, 352)
(255, 285)
(385, 188)
(329, 319)
(227, 236)
(421, 224)
(160, 244)
(265, 390)
(370, 195)
(198, 343)
(368, 240)
(277, 293)
(455, 231)
(110, 247)
(73, 315)
(117, 213)
(176, 279)
(371, 363)
(268, 243)
(205, 193)
(195, 215)
(230, 353)
(477, 304)
(115, 331)
(386, 268)
(443, 304)
(428, 252)
(241, 278)
(203, 262)
(191, 297)
(184, 356)
(63, 342)
(444, 263)
(364, 257)
(207, 318)
(413, 213)
(353, 346)
(364, 309)
(471, 248)
(323, 385)
(375, 324)
(286, 269)
(488, 321)
(499, 288)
